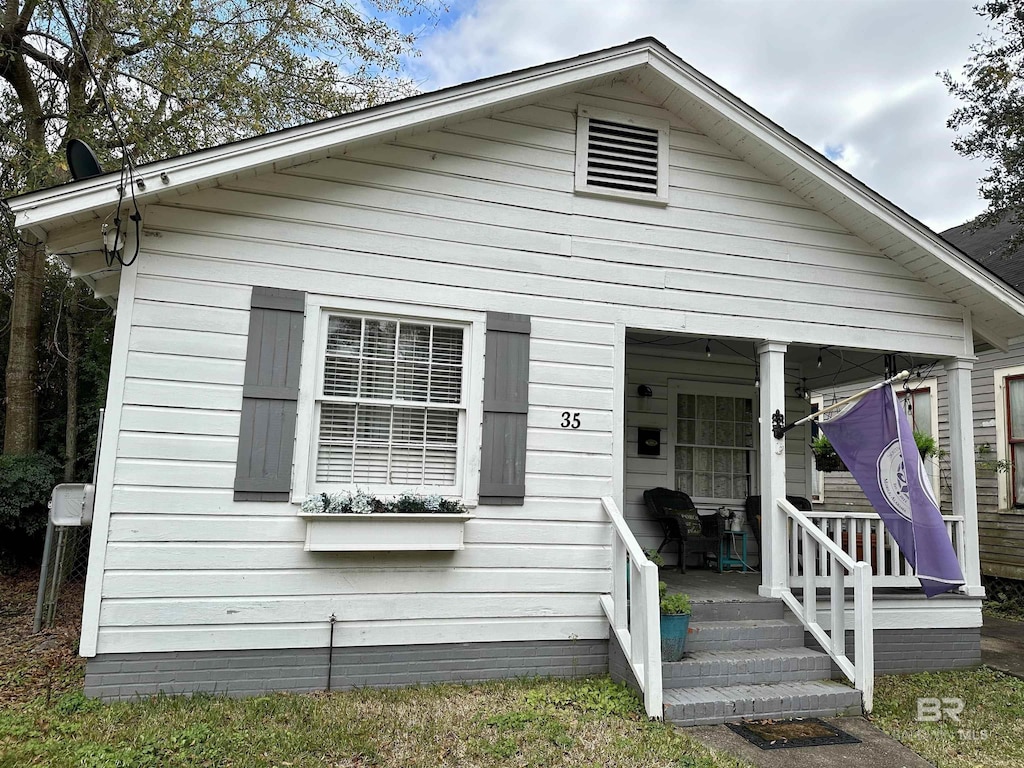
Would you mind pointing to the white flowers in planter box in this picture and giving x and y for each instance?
(362, 503)
(360, 522)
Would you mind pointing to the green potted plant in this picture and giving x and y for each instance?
(926, 444)
(825, 457)
(655, 557)
(675, 623)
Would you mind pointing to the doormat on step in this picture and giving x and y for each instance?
(786, 734)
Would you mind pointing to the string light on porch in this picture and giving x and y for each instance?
(707, 348)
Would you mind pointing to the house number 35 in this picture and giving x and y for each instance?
(570, 420)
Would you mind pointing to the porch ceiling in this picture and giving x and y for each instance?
(839, 365)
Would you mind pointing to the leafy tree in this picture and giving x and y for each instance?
(990, 122)
(176, 76)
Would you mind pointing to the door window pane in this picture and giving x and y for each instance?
(714, 441)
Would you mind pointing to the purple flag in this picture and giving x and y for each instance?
(875, 441)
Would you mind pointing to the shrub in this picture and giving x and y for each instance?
(25, 486)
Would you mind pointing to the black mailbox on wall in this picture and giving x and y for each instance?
(648, 441)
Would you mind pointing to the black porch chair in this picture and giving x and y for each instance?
(752, 507)
(679, 522)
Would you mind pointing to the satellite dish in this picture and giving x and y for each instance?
(82, 160)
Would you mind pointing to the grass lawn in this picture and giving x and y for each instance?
(45, 720)
(990, 730)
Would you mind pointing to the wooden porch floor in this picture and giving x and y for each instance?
(709, 586)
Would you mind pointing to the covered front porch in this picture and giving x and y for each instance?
(698, 417)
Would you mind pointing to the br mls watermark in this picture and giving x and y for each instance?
(932, 710)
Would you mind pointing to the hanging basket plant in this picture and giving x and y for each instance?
(827, 460)
(825, 457)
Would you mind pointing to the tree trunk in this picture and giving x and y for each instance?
(22, 427)
(71, 429)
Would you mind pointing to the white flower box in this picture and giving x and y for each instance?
(380, 532)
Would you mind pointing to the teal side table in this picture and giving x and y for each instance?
(728, 545)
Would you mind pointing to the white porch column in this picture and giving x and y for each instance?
(771, 357)
(961, 458)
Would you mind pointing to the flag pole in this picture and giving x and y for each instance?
(780, 430)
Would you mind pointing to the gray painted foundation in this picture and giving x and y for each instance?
(906, 651)
(116, 676)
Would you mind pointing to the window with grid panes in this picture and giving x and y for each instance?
(1015, 437)
(714, 446)
(391, 407)
(917, 403)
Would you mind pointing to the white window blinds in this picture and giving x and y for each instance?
(391, 402)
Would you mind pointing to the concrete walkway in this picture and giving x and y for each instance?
(1002, 648)
(876, 750)
(1002, 645)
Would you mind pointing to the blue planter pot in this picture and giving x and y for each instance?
(673, 636)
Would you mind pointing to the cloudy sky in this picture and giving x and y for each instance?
(855, 79)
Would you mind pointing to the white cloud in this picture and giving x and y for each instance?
(856, 75)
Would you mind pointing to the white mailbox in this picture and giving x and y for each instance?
(71, 504)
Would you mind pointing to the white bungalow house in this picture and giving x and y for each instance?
(537, 247)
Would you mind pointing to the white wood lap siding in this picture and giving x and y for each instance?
(481, 217)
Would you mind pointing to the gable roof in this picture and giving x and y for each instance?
(996, 310)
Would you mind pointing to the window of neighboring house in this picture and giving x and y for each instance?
(1009, 408)
(713, 442)
(817, 478)
(621, 155)
(390, 409)
(919, 402)
(1014, 404)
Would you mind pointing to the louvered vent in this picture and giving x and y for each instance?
(622, 157)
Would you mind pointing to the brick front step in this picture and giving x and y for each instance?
(756, 666)
(740, 635)
(722, 704)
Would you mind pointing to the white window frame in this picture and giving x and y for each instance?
(584, 112)
(678, 387)
(1004, 479)
(318, 309)
(931, 464)
(818, 498)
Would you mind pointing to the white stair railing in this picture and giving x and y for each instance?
(633, 609)
(809, 552)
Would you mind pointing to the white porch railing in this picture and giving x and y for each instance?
(863, 536)
(808, 545)
(633, 610)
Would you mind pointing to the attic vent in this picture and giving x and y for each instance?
(622, 155)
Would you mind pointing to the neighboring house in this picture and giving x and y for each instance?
(999, 414)
(488, 292)
(998, 391)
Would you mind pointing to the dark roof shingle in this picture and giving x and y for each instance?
(986, 245)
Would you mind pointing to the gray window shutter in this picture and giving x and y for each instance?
(266, 439)
(506, 402)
